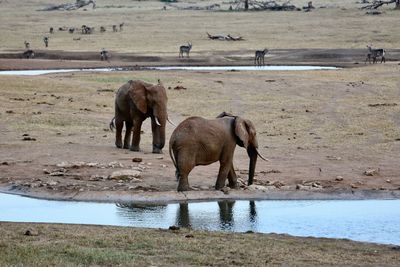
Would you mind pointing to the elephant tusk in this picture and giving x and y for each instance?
(171, 122)
(157, 122)
(261, 156)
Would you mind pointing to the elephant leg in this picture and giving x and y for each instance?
(119, 124)
(136, 135)
(184, 166)
(232, 178)
(224, 168)
(128, 131)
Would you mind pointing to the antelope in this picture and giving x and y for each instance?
(103, 54)
(102, 29)
(46, 41)
(51, 30)
(374, 54)
(27, 44)
(71, 30)
(121, 25)
(185, 49)
(259, 57)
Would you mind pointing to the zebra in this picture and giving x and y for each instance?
(185, 49)
(259, 57)
(46, 41)
(374, 54)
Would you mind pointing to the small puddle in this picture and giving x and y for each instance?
(375, 221)
(196, 68)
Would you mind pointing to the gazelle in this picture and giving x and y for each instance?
(185, 49)
(374, 54)
(259, 57)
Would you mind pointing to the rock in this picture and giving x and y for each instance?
(225, 190)
(302, 187)
(333, 158)
(388, 181)
(163, 165)
(137, 160)
(58, 173)
(339, 178)
(174, 228)
(52, 183)
(189, 236)
(160, 157)
(278, 184)
(149, 163)
(371, 172)
(353, 186)
(254, 187)
(28, 138)
(125, 175)
(204, 187)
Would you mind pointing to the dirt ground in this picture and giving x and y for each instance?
(327, 134)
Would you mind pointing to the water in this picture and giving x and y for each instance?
(375, 221)
(195, 68)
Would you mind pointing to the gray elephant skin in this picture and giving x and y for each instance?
(136, 101)
(198, 141)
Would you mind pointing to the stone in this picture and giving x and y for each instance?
(339, 178)
(371, 172)
(254, 187)
(125, 175)
(174, 228)
(137, 160)
(31, 232)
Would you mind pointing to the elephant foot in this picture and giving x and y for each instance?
(219, 186)
(234, 185)
(126, 146)
(183, 187)
(134, 148)
(157, 150)
(118, 144)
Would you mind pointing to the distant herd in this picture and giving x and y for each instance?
(373, 54)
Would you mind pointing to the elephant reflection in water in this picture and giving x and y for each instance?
(226, 216)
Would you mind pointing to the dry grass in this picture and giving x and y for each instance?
(151, 31)
(73, 245)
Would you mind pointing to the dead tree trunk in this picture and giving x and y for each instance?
(70, 6)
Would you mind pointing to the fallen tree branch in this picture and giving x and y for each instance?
(378, 3)
(225, 37)
(70, 6)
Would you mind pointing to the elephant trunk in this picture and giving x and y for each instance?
(252, 152)
(159, 131)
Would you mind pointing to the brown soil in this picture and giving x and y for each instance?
(58, 162)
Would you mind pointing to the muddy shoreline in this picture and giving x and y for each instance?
(205, 196)
(57, 59)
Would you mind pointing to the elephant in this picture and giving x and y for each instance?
(134, 102)
(198, 141)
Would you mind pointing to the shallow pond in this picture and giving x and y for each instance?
(190, 68)
(363, 220)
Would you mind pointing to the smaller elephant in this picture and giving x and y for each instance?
(136, 101)
(198, 141)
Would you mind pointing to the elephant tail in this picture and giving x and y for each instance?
(172, 156)
(112, 124)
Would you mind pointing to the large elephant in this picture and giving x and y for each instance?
(134, 102)
(198, 141)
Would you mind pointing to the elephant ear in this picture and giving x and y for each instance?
(241, 132)
(246, 133)
(138, 96)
